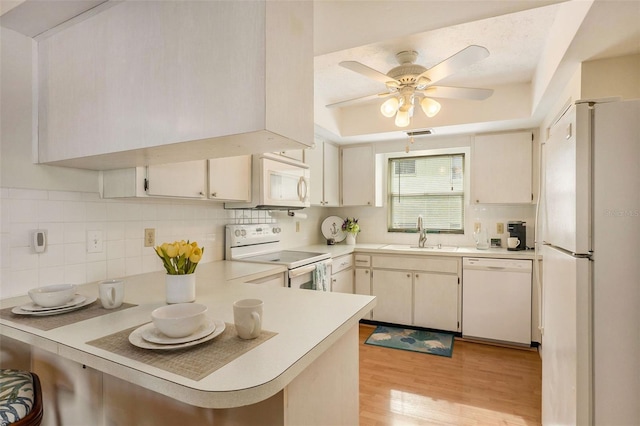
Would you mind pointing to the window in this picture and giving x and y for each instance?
(431, 186)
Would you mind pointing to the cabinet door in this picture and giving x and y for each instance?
(393, 290)
(436, 301)
(358, 176)
(313, 158)
(342, 282)
(230, 178)
(331, 155)
(501, 168)
(363, 284)
(185, 179)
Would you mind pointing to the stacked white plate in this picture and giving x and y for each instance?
(78, 301)
(149, 337)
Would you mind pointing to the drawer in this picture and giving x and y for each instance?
(363, 260)
(341, 263)
(422, 263)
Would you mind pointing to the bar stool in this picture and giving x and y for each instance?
(20, 398)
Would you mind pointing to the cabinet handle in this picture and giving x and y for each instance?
(366, 272)
(477, 201)
(201, 193)
(408, 275)
(417, 275)
(334, 280)
(214, 194)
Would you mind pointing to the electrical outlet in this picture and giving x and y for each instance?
(476, 227)
(149, 237)
(94, 241)
(500, 228)
(297, 226)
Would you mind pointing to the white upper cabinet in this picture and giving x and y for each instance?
(358, 176)
(502, 168)
(184, 180)
(230, 178)
(324, 160)
(144, 83)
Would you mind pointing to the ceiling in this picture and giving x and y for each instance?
(530, 43)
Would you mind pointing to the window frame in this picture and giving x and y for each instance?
(390, 172)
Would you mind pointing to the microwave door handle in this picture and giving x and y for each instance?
(303, 189)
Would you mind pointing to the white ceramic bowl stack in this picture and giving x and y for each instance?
(179, 320)
(52, 295)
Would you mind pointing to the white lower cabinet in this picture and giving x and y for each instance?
(342, 282)
(422, 291)
(435, 303)
(393, 290)
(363, 282)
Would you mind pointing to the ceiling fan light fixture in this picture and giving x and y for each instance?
(430, 107)
(402, 118)
(389, 107)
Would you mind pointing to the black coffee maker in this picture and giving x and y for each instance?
(518, 229)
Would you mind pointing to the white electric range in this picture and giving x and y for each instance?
(261, 243)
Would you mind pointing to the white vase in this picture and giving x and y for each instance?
(180, 288)
(351, 238)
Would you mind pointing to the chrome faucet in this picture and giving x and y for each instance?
(422, 240)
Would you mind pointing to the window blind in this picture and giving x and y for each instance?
(431, 186)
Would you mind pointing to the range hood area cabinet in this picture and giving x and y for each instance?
(143, 83)
(323, 160)
(218, 179)
(501, 168)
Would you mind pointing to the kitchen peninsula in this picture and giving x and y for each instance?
(294, 377)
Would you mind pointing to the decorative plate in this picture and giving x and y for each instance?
(332, 228)
(136, 339)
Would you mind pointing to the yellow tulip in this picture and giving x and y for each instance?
(196, 255)
(185, 249)
(172, 250)
(159, 250)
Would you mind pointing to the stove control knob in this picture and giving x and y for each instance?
(243, 232)
(276, 230)
(237, 233)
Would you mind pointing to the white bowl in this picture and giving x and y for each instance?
(179, 320)
(52, 295)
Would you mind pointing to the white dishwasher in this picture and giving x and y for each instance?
(496, 299)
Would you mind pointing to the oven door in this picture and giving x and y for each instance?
(302, 277)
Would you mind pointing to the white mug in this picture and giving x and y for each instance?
(111, 293)
(247, 316)
(513, 242)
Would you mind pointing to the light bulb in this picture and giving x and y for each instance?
(430, 107)
(389, 107)
(402, 119)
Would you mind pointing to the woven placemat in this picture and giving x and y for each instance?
(195, 362)
(50, 322)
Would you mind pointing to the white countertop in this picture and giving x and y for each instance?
(340, 249)
(307, 323)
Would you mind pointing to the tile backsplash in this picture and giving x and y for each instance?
(68, 216)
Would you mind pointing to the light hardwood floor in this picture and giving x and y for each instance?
(479, 385)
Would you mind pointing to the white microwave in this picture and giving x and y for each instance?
(278, 183)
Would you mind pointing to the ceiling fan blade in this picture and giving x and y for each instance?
(368, 72)
(358, 100)
(464, 58)
(457, 92)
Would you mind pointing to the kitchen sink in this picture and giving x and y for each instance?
(416, 248)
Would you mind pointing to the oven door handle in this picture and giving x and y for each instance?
(306, 269)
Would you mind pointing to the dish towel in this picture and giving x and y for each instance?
(320, 277)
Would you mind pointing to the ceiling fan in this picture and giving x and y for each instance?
(409, 82)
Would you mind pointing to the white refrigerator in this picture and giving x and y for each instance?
(591, 266)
